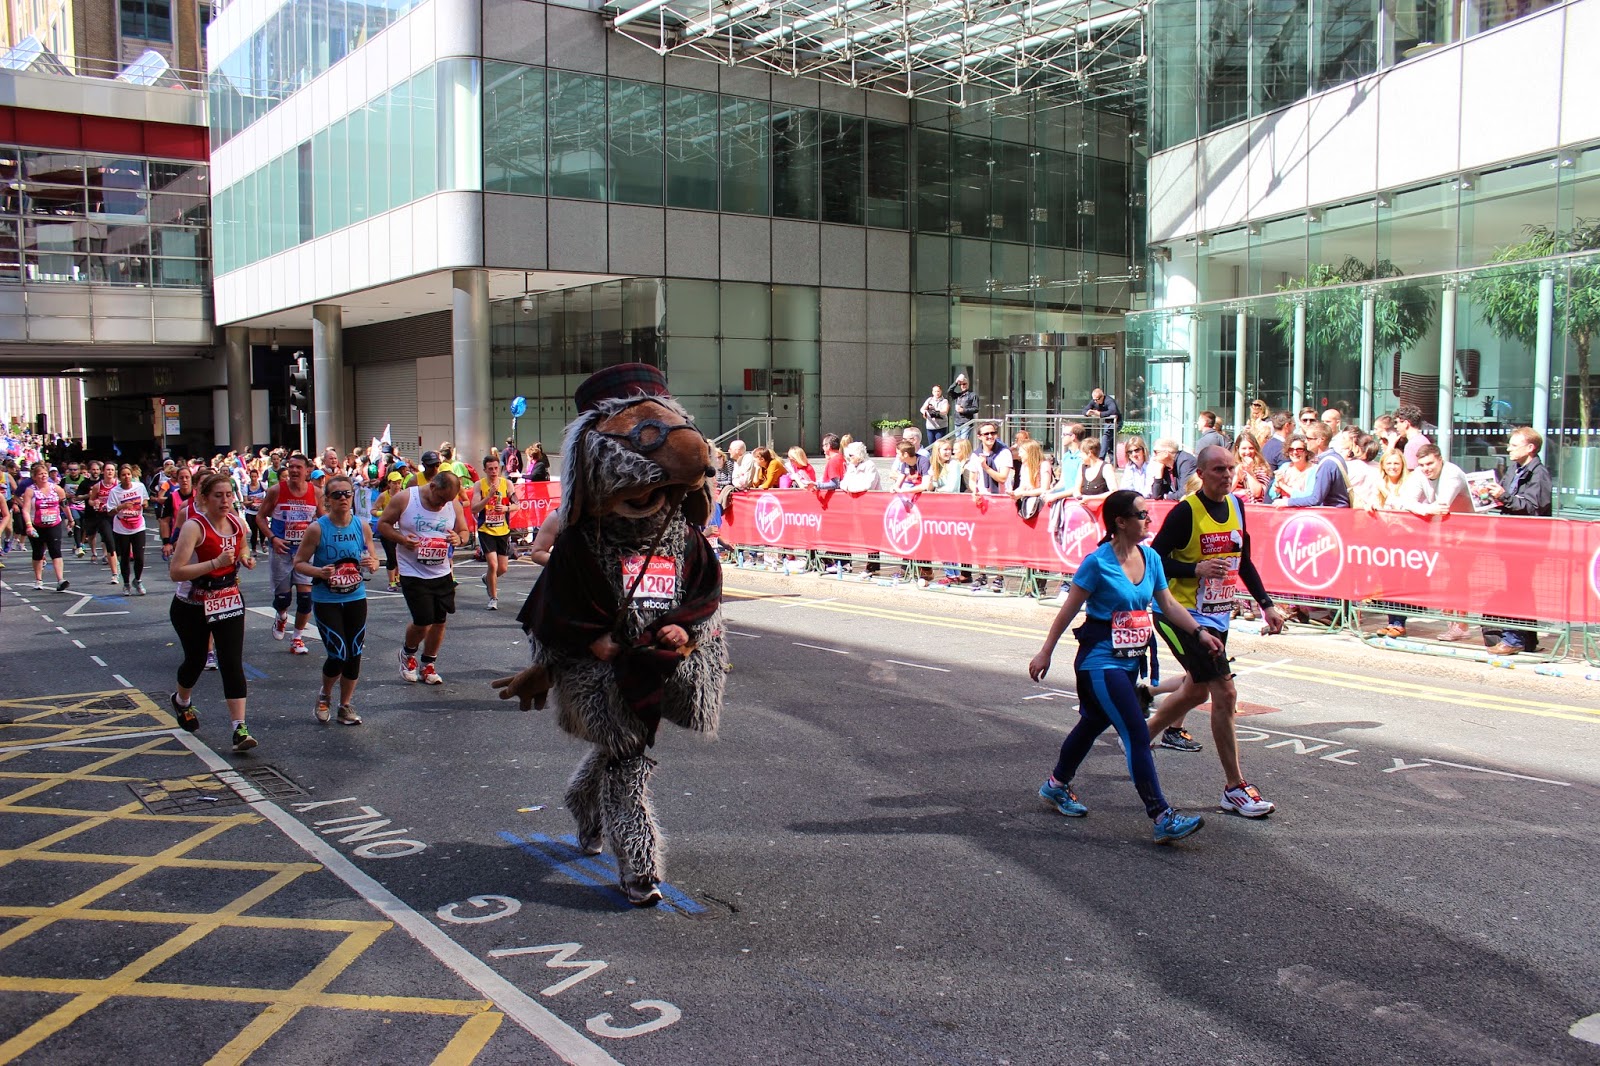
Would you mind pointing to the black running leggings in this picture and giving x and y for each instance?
(130, 553)
(195, 634)
(343, 627)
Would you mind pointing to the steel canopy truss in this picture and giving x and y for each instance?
(956, 52)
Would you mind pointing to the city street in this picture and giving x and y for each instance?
(860, 869)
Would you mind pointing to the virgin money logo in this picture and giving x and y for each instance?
(769, 518)
(1594, 573)
(1074, 532)
(902, 525)
(1310, 551)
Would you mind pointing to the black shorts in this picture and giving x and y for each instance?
(47, 539)
(430, 599)
(1201, 666)
(497, 543)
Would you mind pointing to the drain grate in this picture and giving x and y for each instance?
(207, 792)
(79, 714)
(112, 703)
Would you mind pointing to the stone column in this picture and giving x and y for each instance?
(469, 360)
(1447, 369)
(241, 422)
(327, 377)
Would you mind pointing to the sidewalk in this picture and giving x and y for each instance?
(197, 934)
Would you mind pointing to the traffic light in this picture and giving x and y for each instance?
(300, 384)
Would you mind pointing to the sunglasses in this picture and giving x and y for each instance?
(1297, 451)
(985, 434)
(1143, 516)
(340, 494)
(1308, 419)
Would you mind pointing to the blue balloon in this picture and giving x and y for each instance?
(519, 407)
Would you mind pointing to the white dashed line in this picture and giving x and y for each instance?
(97, 660)
(32, 607)
(818, 647)
(124, 682)
(749, 636)
(61, 629)
(917, 666)
(81, 645)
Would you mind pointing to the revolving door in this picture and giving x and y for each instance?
(1038, 381)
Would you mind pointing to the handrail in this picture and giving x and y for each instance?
(765, 416)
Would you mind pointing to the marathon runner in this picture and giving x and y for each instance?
(174, 508)
(287, 511)
(45, 516)
(391, 487)
(127, 528)
(336, 553)
(424, 523)
(1205, 549)
(97, 515)
(207, 604)
(1117, 583)
(254, 492)
(76, 481)
(492, 495)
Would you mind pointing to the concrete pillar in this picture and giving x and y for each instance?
(469, 360)
(241, 414)
(1297, 367)
(327, 377)
(1543, 342)
(1240, 377)
(1447, 369)
(1369, 332)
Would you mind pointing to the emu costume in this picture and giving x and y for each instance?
(629, 577)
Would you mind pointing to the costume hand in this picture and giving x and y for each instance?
(671, 636)
(605, 649)
(527, 687)
(1039, 665)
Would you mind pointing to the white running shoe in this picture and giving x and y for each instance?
(1245, 799)
(138, 588)
(280, 626)
(430, 675)
(494, 603)
(408, 666)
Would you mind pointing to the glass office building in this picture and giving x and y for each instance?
(1356, 211)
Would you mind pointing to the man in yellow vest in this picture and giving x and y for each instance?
(1205, 551)
(491, 494)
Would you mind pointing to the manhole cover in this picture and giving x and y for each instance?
(207, 792)
(112, 703)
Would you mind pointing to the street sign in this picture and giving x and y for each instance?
(173, 427)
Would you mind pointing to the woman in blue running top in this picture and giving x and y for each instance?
(336, 553)
(1116, 584)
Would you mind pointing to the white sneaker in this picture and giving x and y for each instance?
(280, 626)
(1245, 799)
(494, 603)
(211, 660)
(115, 580)
(430, 675)
(138, 588)
(38, 586)
(408, 666)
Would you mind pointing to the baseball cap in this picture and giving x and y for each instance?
(430, 458)
(395, 475)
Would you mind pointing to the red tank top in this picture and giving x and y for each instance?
(213, 544)
(221, 600)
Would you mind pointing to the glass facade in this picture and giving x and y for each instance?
(1477, 236)
(1221, 61)
(419, 138)
(298, 42)
(731, 350)
(80, 219)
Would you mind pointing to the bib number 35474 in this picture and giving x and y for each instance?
(223, 604)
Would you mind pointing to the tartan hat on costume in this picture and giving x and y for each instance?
(621, 382)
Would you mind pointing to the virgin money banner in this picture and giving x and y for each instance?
(534, 502)
(1541, 568)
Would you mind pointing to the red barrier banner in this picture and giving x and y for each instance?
(1537, 568)
(534, 502)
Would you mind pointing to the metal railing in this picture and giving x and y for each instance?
(766, 418)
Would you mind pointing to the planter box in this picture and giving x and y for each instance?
(887, 440)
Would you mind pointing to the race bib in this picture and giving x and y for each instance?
(494, 515)
(660, 581)
(1217, 593)
(223, 604)
(433, 550)
(1131, 630)
(346, 577)
(130, 517)
(295, 532)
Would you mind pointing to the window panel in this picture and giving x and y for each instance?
(794, 163)
(638, 158)
(933, 181)
(692, 121)
(843, 170)
(746, 155)
(513, 128)
(888, 164)
(577, 135)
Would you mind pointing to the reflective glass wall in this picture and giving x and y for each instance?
(416, 139)
(1494, 238)
(91, 219)
(731, 350)
(1215, 62)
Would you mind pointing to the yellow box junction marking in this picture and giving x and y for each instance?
(279, 1006)
(44, 720)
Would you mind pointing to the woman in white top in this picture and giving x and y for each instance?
(860, 472)
(1140, 471)
(126, 504)
(935, 414)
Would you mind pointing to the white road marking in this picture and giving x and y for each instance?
(80, 644)
(47, 618)
(917, 666)
(77, 609)
(268, 612)
(97, 660)
(1498, 773)
(61, 629)
(1586, 1029)
(748, 636)
(1263, 666)
(31, 607)
(569, 1044)
(124, 682)
(810, 603)
(817, 647)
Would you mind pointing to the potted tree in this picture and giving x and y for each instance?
(888, 435)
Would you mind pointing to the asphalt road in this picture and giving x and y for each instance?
(864, 873)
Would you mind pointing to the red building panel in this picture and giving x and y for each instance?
(96, 133)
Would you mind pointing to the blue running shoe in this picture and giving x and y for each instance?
(1172, 826)
(1061, 798)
